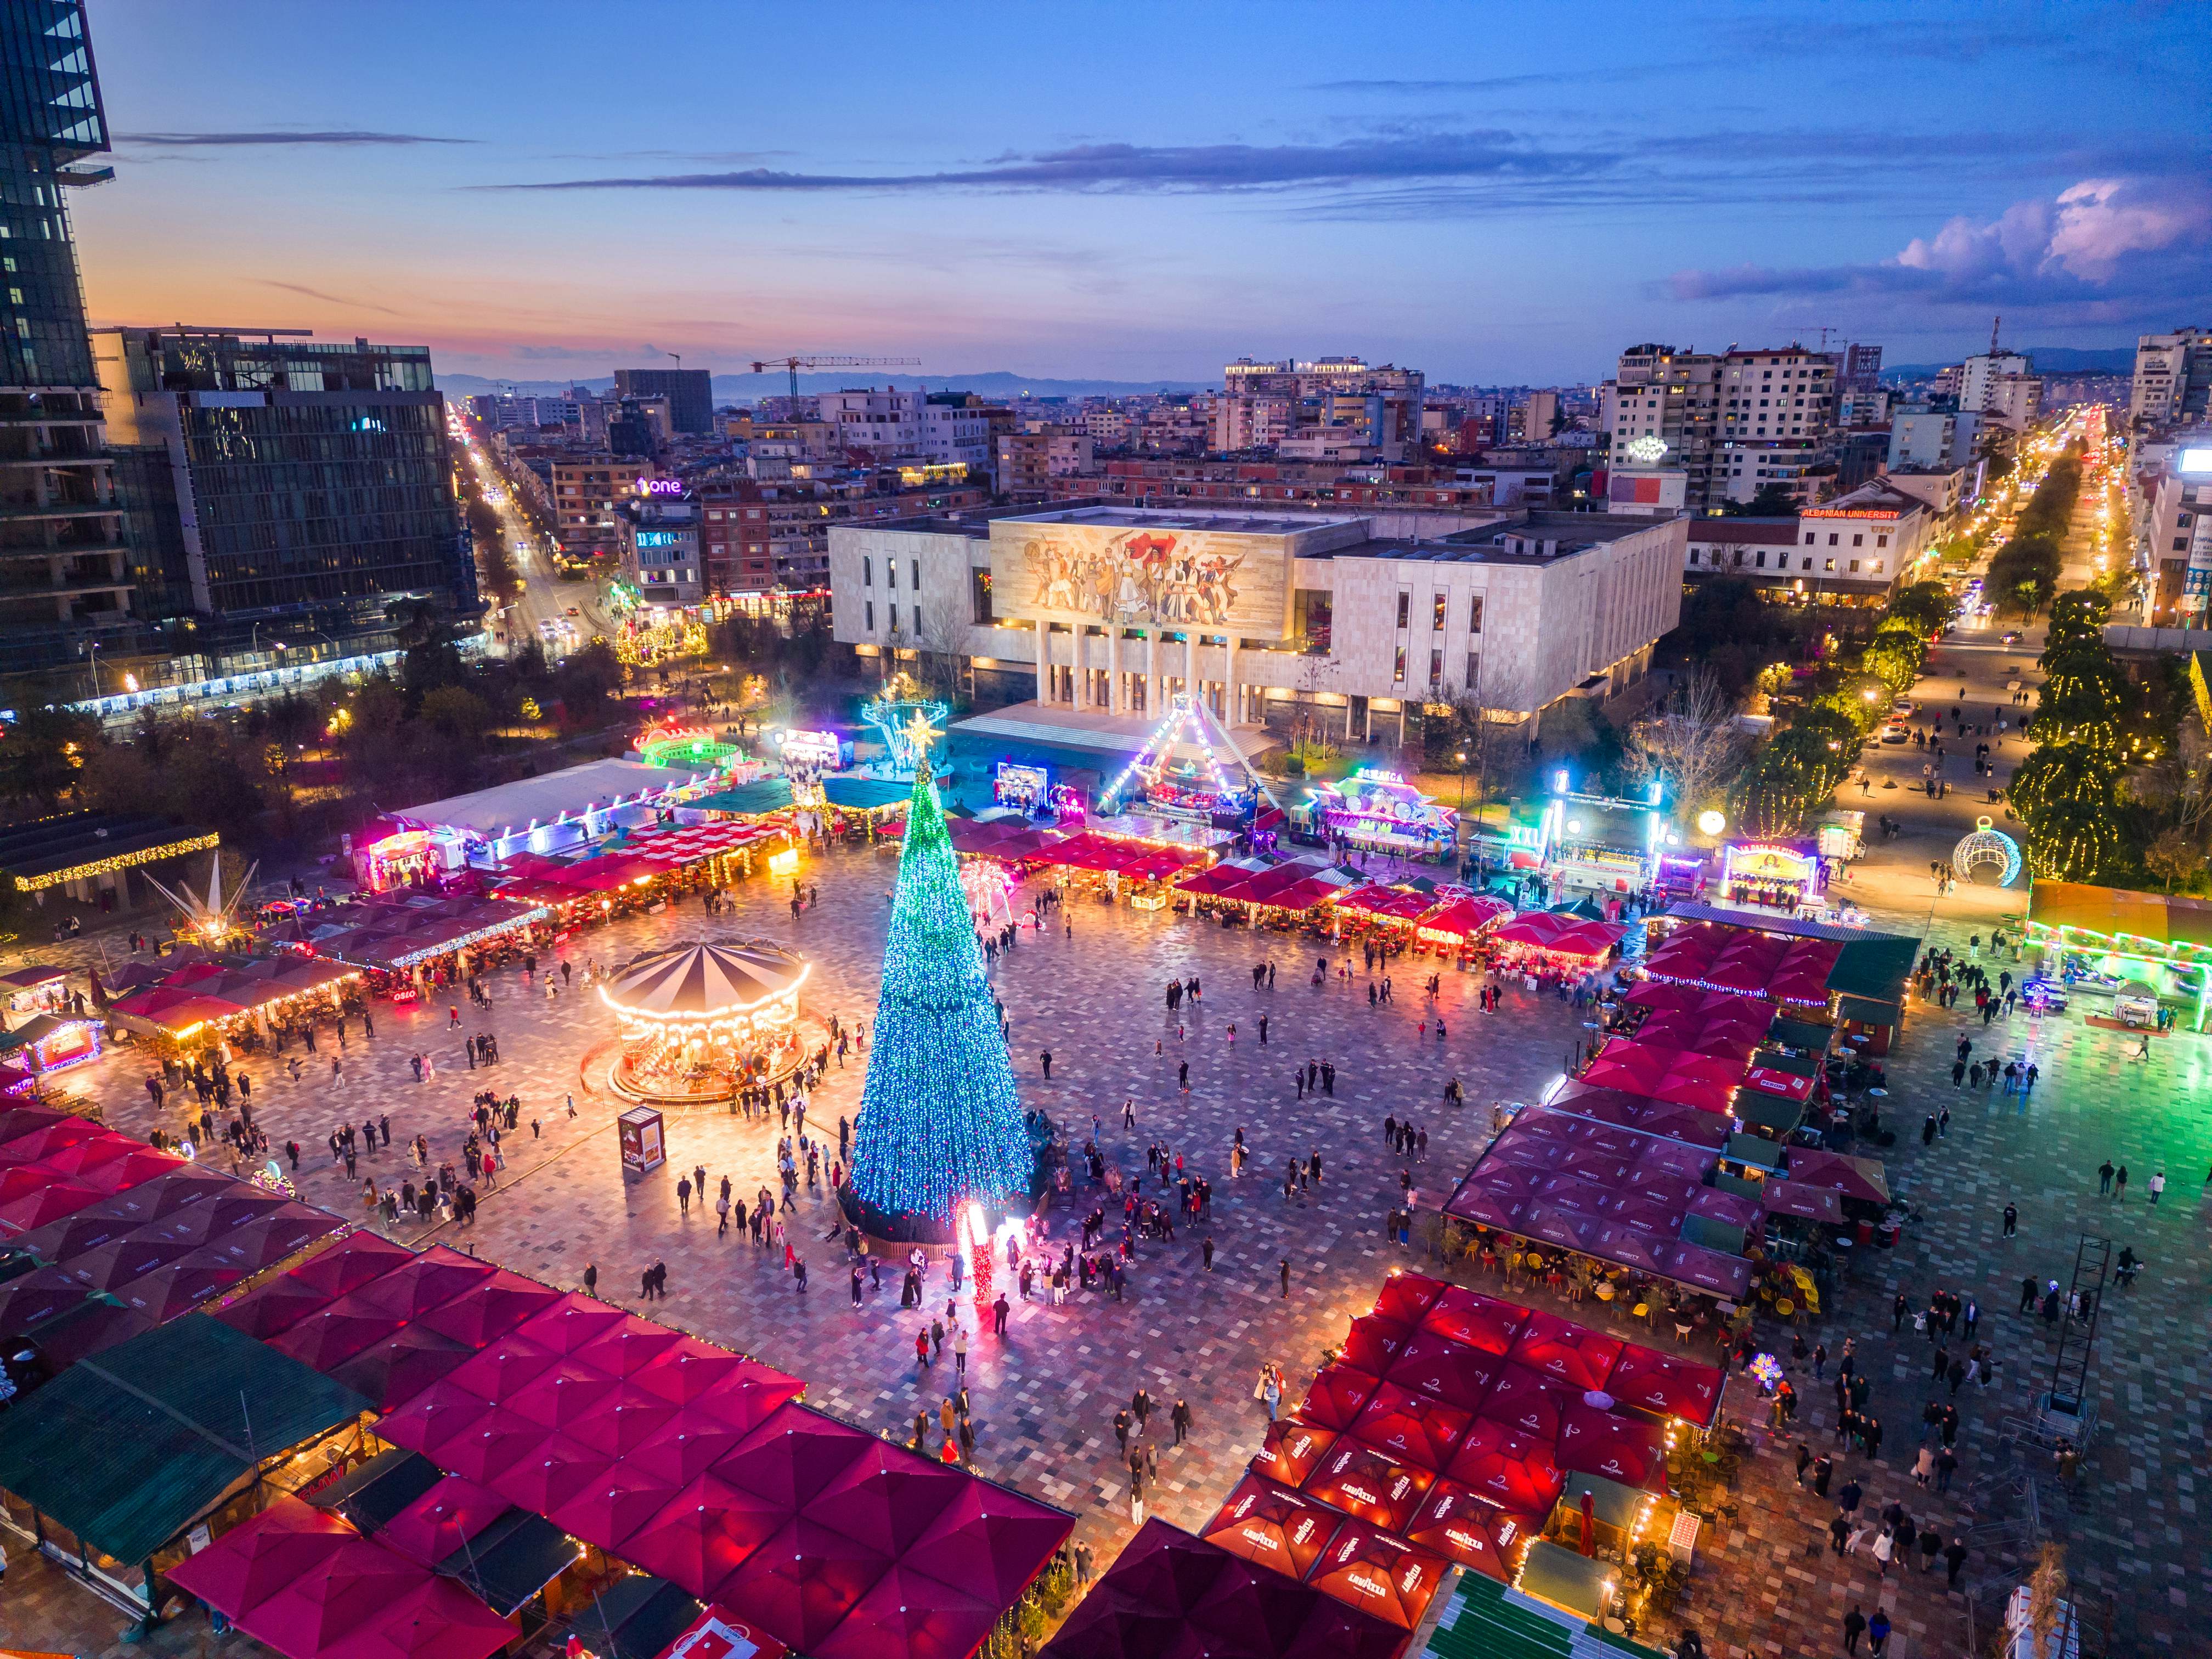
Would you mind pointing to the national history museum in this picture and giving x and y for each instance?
(1075, 626)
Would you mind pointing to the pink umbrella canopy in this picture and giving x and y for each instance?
(990, 1538)
(888, 1498)
(1336, 1395)
(1446, 1370)
(1514, 1471)
(1660, 1383)
(1478, 1321)
(1574, 1354)
(704, 1535)
(1291, 1449)
(911, 1615)
(1272, 1525)
(1413, 1428)
(287, 1541)
(608, 1511)
(793, 1456)
(441, 1520)
(1363, 1481)
(1528, 1402)
(437, 1620)
(801, 1583)
(1632, 1451)
(1472, 1530)
(1373, 1344)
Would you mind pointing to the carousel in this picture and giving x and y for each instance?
(701, 1021)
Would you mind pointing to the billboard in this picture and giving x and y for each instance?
(1170, 578)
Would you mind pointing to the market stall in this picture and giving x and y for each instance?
(1773, 874)
(1377, 811)
(1459, 920)
(1540, 943)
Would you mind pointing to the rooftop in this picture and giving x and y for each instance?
(1529, 537)
(1746, 533)
(1132, 518)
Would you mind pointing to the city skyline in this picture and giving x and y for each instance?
(535, 197)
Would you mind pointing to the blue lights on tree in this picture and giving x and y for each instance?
(939, 1122)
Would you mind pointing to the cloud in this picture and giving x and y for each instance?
(2098, 242)
(1508, 82)
(1184, 167)
(338, 138)
(327, 299)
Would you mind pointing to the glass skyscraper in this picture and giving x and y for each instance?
(65, 583)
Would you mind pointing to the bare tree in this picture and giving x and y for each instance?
(1691, 741)
(1310, 718)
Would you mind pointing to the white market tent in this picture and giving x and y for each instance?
(513, 815)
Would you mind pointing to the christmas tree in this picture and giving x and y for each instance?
(939, 1124)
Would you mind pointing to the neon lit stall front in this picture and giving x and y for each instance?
(1380, 813)
(1778, 875)
(701, 1021)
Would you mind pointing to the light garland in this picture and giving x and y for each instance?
(118, 861)
(1151, 762)
(941, 1125)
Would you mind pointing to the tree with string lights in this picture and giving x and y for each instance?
(940, 1126)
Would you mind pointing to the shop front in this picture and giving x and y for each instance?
(1772, 875)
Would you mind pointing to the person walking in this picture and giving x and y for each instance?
(2157, 1184)
(1878, 1633)
(2011, 1220)
(1287, 1279)
(2120, 1184)
(1180, 1417)
(1954, 1557)
(1855, 1625)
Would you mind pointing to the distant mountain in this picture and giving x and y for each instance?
(2048, 360)
(751, 388)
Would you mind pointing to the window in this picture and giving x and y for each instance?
(979, 594)
(1807, 565)
(894, 619)
(1808, 538)
(1858, 541)
(1827, 564)
(1833, 538)
(1882, 541)
(1474, 670)
(1398, 668)
(1436, 669)
(916, 563)
(1475, 615)
(1405, 608)
(867, 575)
(1436, 617)
(890, 577)
(1855, 565)
(1877, 567)
(872, 616)
(1762, 561)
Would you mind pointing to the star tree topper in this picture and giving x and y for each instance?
(921, 733)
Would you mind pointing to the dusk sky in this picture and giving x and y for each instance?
(1129, 191)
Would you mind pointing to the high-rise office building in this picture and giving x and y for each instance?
(690, 392)
(65, 588)
(282, 489)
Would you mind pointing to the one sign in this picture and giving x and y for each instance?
(660, 486)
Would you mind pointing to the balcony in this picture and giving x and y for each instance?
(62, 510)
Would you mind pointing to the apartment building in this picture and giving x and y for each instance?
(1328, 402)
(762, 538)
(1029, 461)
(1857, 550)
(588, 493)
(2172, 379)
(2004, 387)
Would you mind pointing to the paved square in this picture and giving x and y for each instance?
(1090, 990)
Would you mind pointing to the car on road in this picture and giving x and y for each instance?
(1897, 731)
(2012, 638)
(1901, 707)
(575, 611)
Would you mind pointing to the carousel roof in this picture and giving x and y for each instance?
(703, 979)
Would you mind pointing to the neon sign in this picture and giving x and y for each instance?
(656, 539)
(660, 486)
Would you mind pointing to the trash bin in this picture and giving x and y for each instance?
(1890, 1231)
(1865, 1234)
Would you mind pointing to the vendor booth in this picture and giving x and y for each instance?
(1378, 811)
(34, 988)
(1777, 875)
(2093, 940)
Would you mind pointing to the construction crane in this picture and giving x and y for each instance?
(794, 364)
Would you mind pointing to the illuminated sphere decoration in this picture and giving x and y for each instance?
(1710, 822)
(1987, 845)
(703, 1019)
